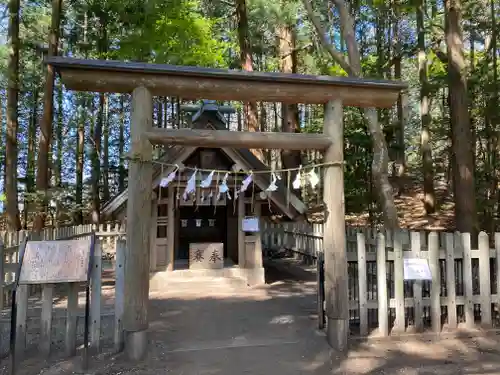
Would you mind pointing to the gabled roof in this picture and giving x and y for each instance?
(209, 114)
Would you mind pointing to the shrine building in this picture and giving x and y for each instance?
(209, 234)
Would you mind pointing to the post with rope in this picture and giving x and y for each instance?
(335, 257)
(138, 224)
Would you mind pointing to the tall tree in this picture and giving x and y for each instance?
(31, 154)
(249, 108)
(402, 105)
(42, 176)
(380, 169)
(80, 155)
(425, 116)
(105, 152)
(290, 113)
(58, 162)
(12, 207)
(121, 146)
(461, 133)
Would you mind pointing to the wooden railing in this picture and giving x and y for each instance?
(465, 286)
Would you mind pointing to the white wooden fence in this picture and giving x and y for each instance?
(464, 287)
(110, 244)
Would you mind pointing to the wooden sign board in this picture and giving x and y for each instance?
(206, 255)
(50, 262)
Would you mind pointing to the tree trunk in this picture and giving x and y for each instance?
(380, 162)
(80, 156)
(429, 198)
(2, 147)
(289, 112)
(263, 126)
(59, 153)
(96, 162)
(42, 177)
(12, 207)
(30, 157)
(97, 134)
(402, 107)
(105, 153)
(121, 146)
(461, 134)
(494, 121)
(250, 108)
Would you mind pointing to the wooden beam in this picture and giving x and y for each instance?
(139, 224)
(232, 139)
(196, 83)
(336, 284)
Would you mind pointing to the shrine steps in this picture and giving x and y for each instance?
(233, 277)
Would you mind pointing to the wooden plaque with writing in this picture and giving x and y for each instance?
(50, 262)
(206, 255)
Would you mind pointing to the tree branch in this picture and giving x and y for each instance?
(435, 47)
(353, 68)
(306, 46)
(336, 55)
(228, 3)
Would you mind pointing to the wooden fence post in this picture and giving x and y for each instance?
(71, 319)
(362, 284)
(450, 280)
(46, 319)
(119, 293)
(418, 308)
(433, 249)
(464, 242)
(2, 275)
(320, 281)
(383, 300)
(95, 297)
(399, 282)
(497, 253)
(484, 279)
(22, 294)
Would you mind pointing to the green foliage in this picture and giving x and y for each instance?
(175, 32)
(203, 33)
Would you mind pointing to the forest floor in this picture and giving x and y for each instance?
(199, 328)
(410, 207)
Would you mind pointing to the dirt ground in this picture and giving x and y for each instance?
(215, 327)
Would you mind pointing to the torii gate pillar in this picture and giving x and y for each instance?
(140, 174)
(336, 284)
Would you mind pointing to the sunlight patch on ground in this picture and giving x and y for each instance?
(235, 296)
(320, 360)
(359, 365)
(283, 319)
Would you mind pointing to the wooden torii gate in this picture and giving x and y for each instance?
(144, 80)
